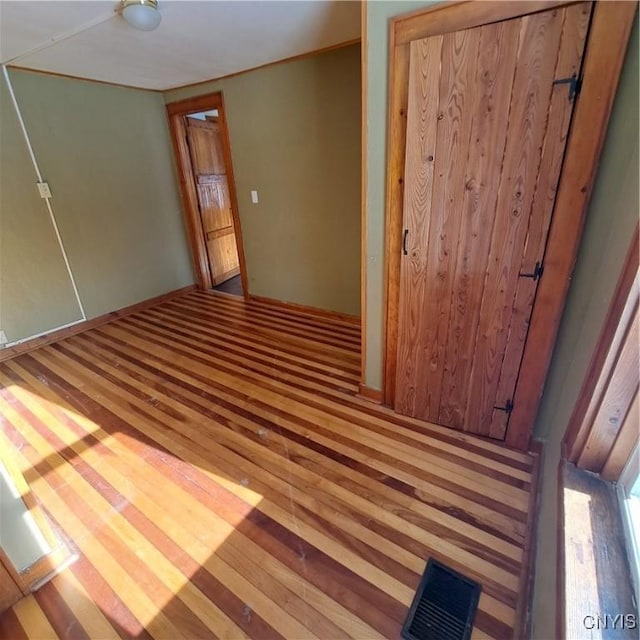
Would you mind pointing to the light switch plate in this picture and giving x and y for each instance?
(254, 197)
(43, 188)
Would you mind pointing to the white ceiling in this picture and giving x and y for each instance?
(196, 40)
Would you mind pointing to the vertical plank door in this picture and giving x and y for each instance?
(207, 160)
(488, 115)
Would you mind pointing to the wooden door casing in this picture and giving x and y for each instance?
(214, 200)
(486, 130)
(10, 591)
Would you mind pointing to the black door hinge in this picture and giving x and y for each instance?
(508, 408)
(575, 84)
(537, 272)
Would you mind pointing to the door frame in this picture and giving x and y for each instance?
(176, 112)
(605, 49)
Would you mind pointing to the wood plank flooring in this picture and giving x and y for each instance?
(210, 464)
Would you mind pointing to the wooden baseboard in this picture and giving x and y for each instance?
(61, 334)
(294, 306)
(368, 393)
(528, 571)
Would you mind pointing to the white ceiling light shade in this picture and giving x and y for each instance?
(141, 14)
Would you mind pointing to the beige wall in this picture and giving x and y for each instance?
(295, 138)
(611, 219)
(106, 154)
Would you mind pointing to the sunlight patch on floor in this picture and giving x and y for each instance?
(20, 537)
(581, 579)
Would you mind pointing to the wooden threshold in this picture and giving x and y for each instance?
(209, 460)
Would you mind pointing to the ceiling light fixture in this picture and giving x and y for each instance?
(141, 14)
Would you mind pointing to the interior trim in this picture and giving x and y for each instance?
(598, 383)
(176, 112)
(363, 195)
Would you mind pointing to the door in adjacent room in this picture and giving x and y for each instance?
(214, 201)
(489, 110)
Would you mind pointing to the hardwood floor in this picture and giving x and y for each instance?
(208, 461)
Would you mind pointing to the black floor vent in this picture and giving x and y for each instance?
(444, 605)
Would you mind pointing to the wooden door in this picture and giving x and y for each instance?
(488, 114)
(214, 202)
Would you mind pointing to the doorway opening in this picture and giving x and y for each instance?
(201, 143)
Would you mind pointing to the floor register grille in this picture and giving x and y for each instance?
(444, 606)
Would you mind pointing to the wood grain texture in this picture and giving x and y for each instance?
(615, 401)
(597, 575)
(244, 490)
(206, 146)
(396, 142)
(189, 197)
(454, 16)
(538, 46)
(459, 311)
(604, 55)
(524, 609)
(494, 79)
(624, 444)
(271, 303)
(611, 22)
(604, 361)
(424, 98)
(233, 195)
(574, 32)
(214, 200)
(190, 186)
(454, 116)
(36, 343)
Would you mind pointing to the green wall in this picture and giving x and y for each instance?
(295, 138)
(611, 219)
(378, 15)
(35, 290)
(106, 154)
